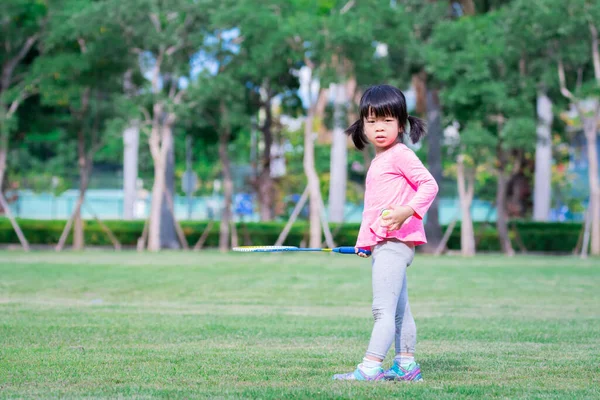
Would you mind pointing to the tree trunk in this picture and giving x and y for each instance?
(224, 234)
(468, 7)
(590, 128)
(13, 222)
(265, 182)
(466, 187)
(78, 237)
(130, 169)
(501, 213)
(313, 179)
(542, 192)
(84, 163)
(158, 189)
(434, 160)
(168, 234)
(160, 144)
(77, 211)
(339, 159)
(3, 203)
(84, 169)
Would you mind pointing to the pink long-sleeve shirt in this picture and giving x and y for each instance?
(397, 177)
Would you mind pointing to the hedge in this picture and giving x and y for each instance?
(549, 237)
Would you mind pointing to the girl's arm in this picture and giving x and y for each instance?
(417, 175)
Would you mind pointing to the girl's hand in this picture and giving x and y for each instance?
(394, 216)
(361, 254)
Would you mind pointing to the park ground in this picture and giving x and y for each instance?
(101, 324)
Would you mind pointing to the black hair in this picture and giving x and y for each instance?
(385, 101)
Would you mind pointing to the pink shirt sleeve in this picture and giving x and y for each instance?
(418, 176)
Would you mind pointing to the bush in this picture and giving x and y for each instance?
(548, 237)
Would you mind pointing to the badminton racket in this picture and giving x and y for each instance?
(275, 249)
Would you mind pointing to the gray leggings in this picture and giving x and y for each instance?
(391, 311)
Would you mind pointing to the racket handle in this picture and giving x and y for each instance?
(351, 250)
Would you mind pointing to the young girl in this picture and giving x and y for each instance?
(399, 190)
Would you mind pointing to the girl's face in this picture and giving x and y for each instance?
(381, 131)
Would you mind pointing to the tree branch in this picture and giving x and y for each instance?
(8, 68)
(155, 21)
(82, 45)
(156, 69)
(147, 117)
(595, 51)
(347, 6)
(17, 78)
(173, 88)
(20, 98)
(172, 49)
(179, 96)
(579, 79)
(562, 81)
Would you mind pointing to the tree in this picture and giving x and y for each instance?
(471, 148)
(220, 97)
(80, 71)
(163, 37)
(259, 32)
(562, 38)
(586, 97)
(528, 35)
(21, 25)
(494, 94)
(305, 23)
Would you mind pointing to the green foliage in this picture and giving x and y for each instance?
(21, 27)
(471, 57)
(516, 133)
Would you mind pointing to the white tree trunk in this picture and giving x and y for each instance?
(131, 139)
(158, 190)
(542, 193)
(168, 231)
(313, 181)
(160, 142)
(339, 159)
(465, 195)
(590, 126)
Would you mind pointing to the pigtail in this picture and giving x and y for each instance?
(357, 133)
(417, 128)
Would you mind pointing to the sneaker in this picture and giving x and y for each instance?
(376, 374)
(410, 373)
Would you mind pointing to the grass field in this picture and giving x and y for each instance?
(207, 325)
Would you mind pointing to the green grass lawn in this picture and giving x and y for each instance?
(207, 325)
